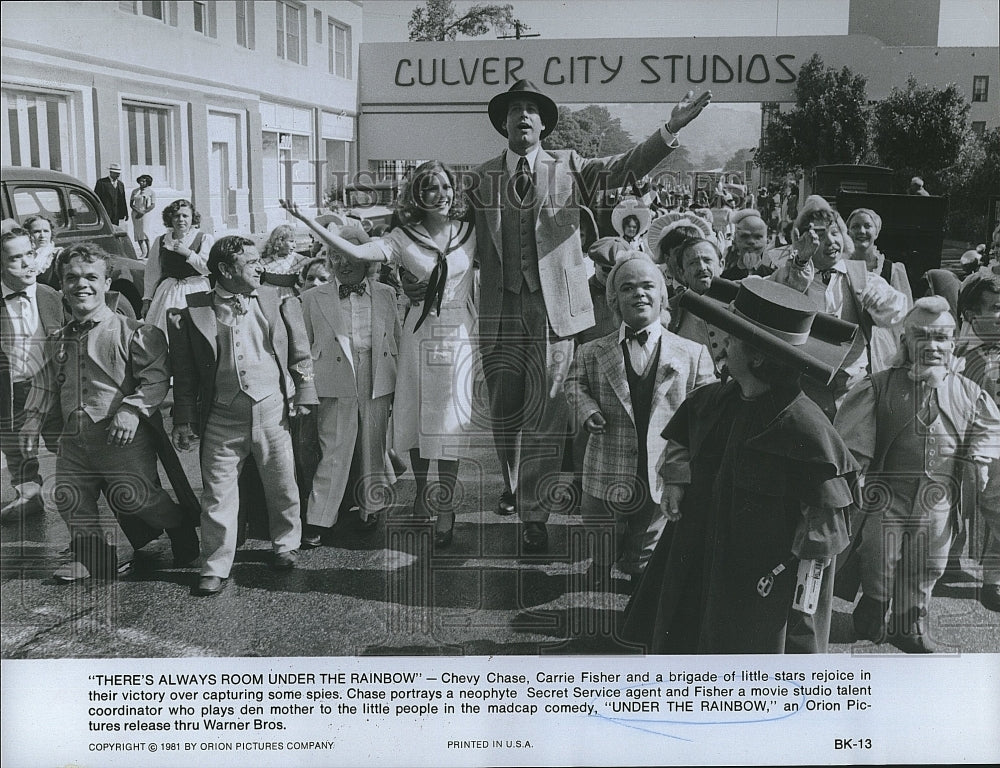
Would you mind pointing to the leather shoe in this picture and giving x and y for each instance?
(184, 545)
(209, 585)
(534, 538)
(22, 507)
(506, 506)
(312, 537)
(285, 561)
(910, 633)
(869, 619)
(989, 596)
(368, 524)
(72, 571)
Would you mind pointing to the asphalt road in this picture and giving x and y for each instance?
(384, 593)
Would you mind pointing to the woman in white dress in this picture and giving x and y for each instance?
(142, 201)
(178, 263)
(432, 413)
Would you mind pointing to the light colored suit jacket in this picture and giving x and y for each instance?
(563, 180)
(330, 339)
(597, 384)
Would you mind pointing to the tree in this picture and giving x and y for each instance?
(969, 182)
(829, 123)
(920, 130)
(738, 161)
(591, 131)
(438, 20)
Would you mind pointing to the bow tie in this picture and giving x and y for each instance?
(347, 290)
(82, 326)
(237, 301)
(827, 275)
(16, 295)
(639, 336)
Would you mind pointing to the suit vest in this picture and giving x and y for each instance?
(520, 248)
(246, 359)
(640, 388)
(914, 449)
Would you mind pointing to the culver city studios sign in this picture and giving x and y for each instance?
(739, 69)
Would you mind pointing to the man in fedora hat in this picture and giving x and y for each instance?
(757, 481)
(535, 297)
(111, 192)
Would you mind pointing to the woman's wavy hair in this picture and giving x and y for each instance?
(411, 205)
(176, 205)
(270, 248)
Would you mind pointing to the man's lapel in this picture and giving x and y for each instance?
(203, 318)
(665, 371)
(612, 361)
(491, 181)
(329, 304)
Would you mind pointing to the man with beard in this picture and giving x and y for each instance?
(934, 429)
(746, 255)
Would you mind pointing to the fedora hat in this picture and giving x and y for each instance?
(114, 167)
(778, 321)
(523, 89)
(669, 222)
(608, 250)
(630, 206)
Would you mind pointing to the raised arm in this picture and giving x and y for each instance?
(368, 252)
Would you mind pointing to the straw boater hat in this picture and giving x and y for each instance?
(630, 206)
(523, 89)
(669, 222)
(778, 321)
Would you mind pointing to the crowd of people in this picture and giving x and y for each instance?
(757, 412)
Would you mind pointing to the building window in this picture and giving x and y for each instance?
(149, 130)
(244, 24)
(980, 88)
(291, 32)
(204, 17)
(37, 130)
(338, 44)
(318, 23)
(161, 10)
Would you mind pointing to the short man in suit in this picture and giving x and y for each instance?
(110, 190)
(30, 312)
(242, 366)
(107, 375)
(353, 328)
(625, 387)
(535, 297)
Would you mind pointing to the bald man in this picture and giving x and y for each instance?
(746, 255)
(933, 428)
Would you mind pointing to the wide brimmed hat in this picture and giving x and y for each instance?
(114, 167)
(778, 321)
(670, 221)
(147, 177)
(523, 89)
(630, 206)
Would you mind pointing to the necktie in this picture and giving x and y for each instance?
(930, 410)
(347, 290)
(827, 275)
(639, 336)
(522, 180)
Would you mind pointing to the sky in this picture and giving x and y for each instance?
(963, 22)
